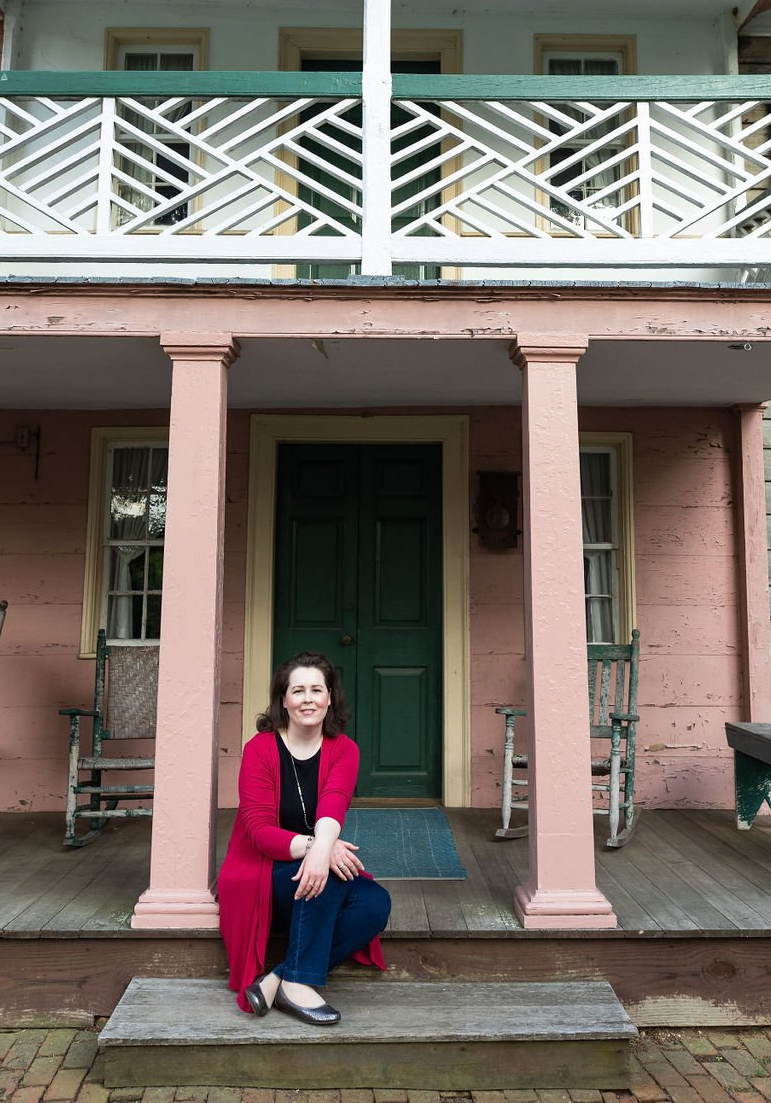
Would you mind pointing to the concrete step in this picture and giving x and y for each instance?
(393, 1034)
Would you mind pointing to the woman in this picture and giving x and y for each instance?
(286, 865)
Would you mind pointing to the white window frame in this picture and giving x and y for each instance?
(119, 42)
(619, 447)
(103, 441)
(619, 48)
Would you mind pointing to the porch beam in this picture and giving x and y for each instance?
(486, 312)
(755, 625)
(561, 889)
(182, 860)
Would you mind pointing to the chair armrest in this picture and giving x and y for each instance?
(625, 717)
(508, 711)
(77, 712)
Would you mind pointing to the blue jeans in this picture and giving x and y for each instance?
(326, 930)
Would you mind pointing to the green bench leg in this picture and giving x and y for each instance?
(752, 786)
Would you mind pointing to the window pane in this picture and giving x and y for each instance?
(157, 518)
(140, 63)
(155, 569)
(597, 521)
(153, 625)
(128, 501)
(127, 568)
(599, 620)
(124, 617)
(598, 576)
(179, 62)
(596, 500)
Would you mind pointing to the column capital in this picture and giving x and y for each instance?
(551, 348)
(201, 346)
(750, 407)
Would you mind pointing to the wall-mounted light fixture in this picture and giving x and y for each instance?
(498, 508)
(26, 439)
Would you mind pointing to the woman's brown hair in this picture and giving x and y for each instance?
(275, 717)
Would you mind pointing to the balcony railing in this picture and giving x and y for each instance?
(262, 169)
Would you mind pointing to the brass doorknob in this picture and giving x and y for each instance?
(346, 640)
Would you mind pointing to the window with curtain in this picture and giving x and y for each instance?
(601, 544)
(135, 524)
(169, 177)
(592, 173)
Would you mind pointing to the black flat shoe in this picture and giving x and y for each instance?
(316, 1016)
(255, 998)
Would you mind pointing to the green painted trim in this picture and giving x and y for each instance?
(675, 89)
(19, 82)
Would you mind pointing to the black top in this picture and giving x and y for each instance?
(290, 812)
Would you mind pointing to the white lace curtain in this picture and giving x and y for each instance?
(136, 531)
(598, 561)
(128, 521)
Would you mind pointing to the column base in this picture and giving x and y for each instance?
(157, 909)
(555, 909)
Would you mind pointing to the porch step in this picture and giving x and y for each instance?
(393, 1034)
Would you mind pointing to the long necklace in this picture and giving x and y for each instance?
(299, 790)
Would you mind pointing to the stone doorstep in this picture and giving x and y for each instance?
(416, 1034)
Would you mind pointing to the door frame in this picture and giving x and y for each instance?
(267, 431)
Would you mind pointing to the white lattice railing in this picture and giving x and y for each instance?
(572, 176)
(510, 172)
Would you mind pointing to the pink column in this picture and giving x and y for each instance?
(560, 891)
(753, 565)
(182, 864)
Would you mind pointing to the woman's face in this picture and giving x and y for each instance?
(307, 698)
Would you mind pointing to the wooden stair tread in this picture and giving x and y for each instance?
(168, 1012)
(393, 1034)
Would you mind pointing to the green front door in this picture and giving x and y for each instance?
(359, 578)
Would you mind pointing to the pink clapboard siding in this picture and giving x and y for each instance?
(687, 606)
(686, 585)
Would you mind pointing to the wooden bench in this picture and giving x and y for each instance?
(612, 674)
(751, 745)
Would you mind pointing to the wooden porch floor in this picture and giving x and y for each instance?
(683, 872)
(692, 895)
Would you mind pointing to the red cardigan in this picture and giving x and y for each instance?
(245, 884)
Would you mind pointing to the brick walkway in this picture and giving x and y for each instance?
(681, 1066)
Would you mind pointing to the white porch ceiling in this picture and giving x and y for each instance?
(134, 373)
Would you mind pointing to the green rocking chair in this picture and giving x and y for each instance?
(125, 692)
(612, 680)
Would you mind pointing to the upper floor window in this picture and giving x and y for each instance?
(590, 164)
(606, 511)
(156, 165)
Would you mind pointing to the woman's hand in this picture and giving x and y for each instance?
(343, 860)
(313, 872)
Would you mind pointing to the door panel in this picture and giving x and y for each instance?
(316, 541)
(359, 577)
